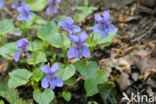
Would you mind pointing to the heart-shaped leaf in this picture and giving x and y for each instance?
(87, 70)
(91, 84)
(6, 26)
(18, 77)
(36, 5)
(67, 72)
(8, 49)
(43, 97)
(50, 34)
(37, 57)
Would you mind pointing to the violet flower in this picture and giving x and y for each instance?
(50, 79)
(103, 27)
(69, 26)
(78, 48)
(22, 44)
(25, 13)
(2, 3)
(18, 3)
(52, 9)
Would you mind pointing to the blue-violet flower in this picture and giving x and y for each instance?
(69, 26)
(52, 9)
(22, 44)
(25, 13)
(103, 27)
(18, 3)
(79, 48)
(51, 80)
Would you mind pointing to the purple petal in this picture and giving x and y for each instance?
(103, 33)
(54, 10)
(45, 83)
(52, 83)
(57, 1)
(49, 2)
(2, 3)
(69, 20)
(30, 15)
(54, 68)
(27, 7)
(75, 28)
(20, 9)
(17, 55)
(74, 38)
(110, 28)
(22, 43)
(84, 50)
(58, 81)
(62, 24)
(13, 6)
(48, 10)
(106, 16)
(98, 18)
(28, 55)
(83, 37)
(45, 69)
(72, 52)
(96, 28)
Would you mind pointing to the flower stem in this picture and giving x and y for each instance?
(33, 51)
(64, 51)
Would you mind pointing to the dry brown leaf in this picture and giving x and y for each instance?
(3, 66)
(124, 81)
(122, 17)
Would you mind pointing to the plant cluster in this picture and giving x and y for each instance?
(44, 62)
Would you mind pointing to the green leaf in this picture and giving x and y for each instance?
(37, 5)
(39, 20)
(2, 102)
(11, 96)
(6, 26)
(66, 95)
(37, 57)
(67, 72)
(50, 34)
(85, 11)
(107, 91)
(35, 46)
(87, 70)
(100, 39)
(8, 48)
(91, 87)
(18, 77)
(50, 28)
(37, 75)
(58, 40)
(91, 84)
(43, 97)
(92, 102)
(60, 18)
(70, 81)
(3, 86)
(20, 101)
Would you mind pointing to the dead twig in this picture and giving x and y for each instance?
(146, 33)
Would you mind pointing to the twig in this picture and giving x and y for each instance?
(143, 35)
